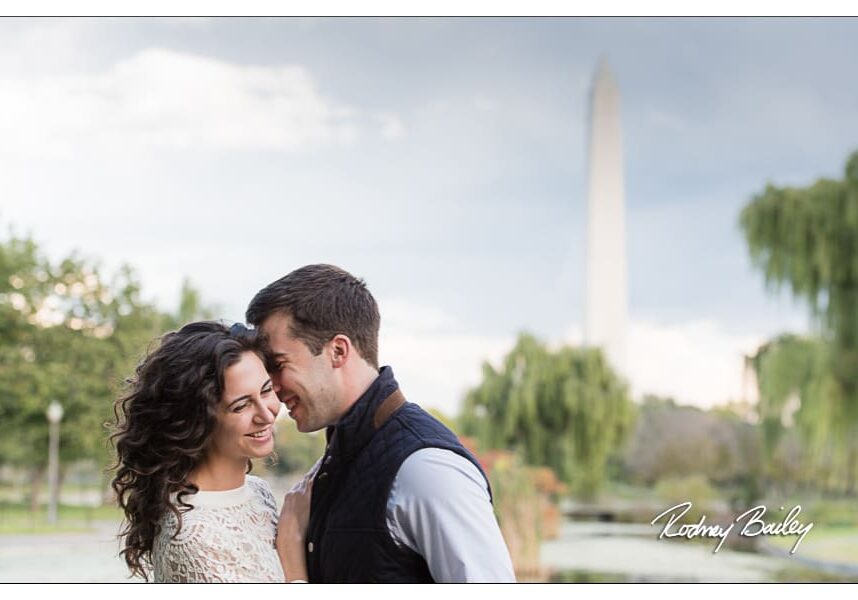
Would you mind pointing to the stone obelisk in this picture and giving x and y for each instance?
(606, 302)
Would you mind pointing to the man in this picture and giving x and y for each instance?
(396, 497)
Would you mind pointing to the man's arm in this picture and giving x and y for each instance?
(439, 506)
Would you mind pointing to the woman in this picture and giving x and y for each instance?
(199, 408)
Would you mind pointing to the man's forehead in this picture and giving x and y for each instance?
(276, 324)
(276, 330)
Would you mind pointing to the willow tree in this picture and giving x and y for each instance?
(565, 409)
(806, 239)
(798, 394)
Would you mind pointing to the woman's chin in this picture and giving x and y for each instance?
(259, 450)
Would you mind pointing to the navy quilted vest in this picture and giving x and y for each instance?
(347, 537)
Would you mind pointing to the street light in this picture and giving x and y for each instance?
(55, 415)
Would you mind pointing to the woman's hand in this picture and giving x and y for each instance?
(292, 527)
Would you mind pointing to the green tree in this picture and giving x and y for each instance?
(191, 306)
(807, 240)
(678, 443)
(70, 334)
(565, 409)
(798, 396)
(296, 451)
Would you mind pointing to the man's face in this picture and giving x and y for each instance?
(306, 384)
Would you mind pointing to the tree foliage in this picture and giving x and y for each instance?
(69, 333)
(807, 240)
(802, 414)
(296, 452)
(678, 443)
(565, 409)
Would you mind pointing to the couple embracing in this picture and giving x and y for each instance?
(394, 498)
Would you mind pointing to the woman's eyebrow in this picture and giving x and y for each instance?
(266, 384)
(239, 399)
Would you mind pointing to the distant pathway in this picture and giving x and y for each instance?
(89, 557)
(634, 552)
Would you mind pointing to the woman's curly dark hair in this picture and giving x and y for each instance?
(163, 425)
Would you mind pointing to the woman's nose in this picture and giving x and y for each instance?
(264, 414)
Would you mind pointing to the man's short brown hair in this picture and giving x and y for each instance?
(323, 301)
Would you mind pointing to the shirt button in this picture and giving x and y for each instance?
(310, 547)
(328, 459)
(322, 476)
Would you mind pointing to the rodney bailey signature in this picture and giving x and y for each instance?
(753, 527)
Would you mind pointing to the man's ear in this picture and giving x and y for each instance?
(340, 349)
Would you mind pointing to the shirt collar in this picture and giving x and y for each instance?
(355, 428)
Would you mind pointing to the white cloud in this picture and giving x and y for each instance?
(695, 362)
(164, 98)
(192, 21)
(660, 119)
(41, 45)
(435, 365)
(402, 314)
(392, 127)
(485, 103)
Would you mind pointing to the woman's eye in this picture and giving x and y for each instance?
(239, 407)
(268, 390)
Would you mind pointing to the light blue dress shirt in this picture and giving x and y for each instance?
(439, 506)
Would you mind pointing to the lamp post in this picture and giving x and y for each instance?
(55, 415)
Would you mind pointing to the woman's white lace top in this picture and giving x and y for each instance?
(227, 537)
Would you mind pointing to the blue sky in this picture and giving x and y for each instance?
(441, 159)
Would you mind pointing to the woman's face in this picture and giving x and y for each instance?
(247, 411)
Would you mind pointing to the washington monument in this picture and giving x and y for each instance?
(606, 301)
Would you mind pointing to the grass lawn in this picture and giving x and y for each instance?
(16, 518)
(828, 543)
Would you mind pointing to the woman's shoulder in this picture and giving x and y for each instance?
(258, 485)
(256, 482)
(175, 536)
(260, 489)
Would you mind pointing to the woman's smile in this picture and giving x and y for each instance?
(261, 436)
